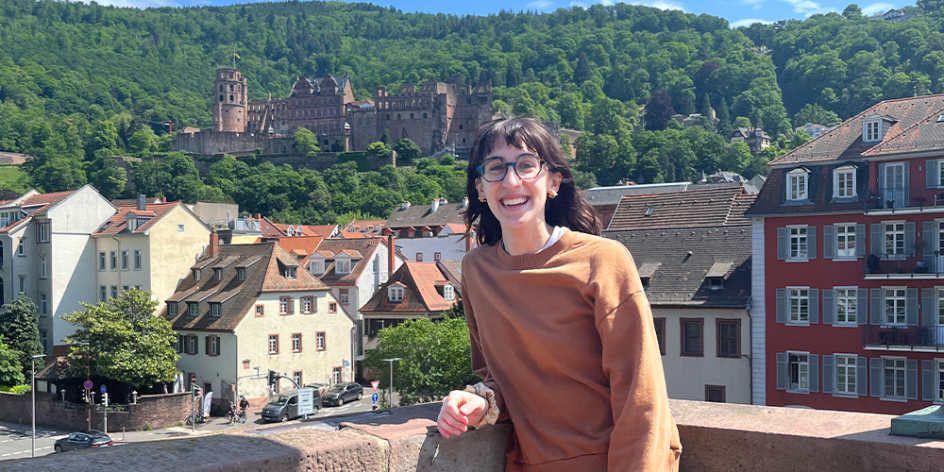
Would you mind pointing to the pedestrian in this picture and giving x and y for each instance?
(561, 330)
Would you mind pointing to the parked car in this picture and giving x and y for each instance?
(93, 439)
(284, 406)
(340, 393)
(319, 387)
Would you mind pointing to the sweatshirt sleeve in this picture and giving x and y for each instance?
(479, 367)
(644, 436)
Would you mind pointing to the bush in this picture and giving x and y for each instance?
(16, 389)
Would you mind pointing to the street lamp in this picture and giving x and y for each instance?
(33, 390)
(391, 361)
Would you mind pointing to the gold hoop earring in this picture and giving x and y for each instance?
(551, 194)
(482, 199)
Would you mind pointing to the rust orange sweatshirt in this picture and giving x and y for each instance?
(565, 339)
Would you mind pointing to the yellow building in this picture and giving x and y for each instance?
(246, 309)
(150, 247)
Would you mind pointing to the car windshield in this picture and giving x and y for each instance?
(336, 388)
(279, 401)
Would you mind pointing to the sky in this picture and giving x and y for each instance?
(737, 12)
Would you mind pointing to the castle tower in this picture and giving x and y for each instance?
(229, 105)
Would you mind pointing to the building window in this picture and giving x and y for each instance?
(729, 338)
(799, 305)
(449, 293)
(114, 260)
(437, 256)
(332, 307)
(798, 243)
(273, 344)
(714, 393)
(180, 228)
(844, 184)
(43, 309)
(297, 342)
(289, 272)
(940, 381)
(894, 378)
(343, 296)
(419, 257)
(845, 241)
(193, 308)
(42, 233)
(692, 336)
(894, 238)
(241, 274)
(846, 310)
(895, 313)
(872, 131)
(124, 260)
(395, 294)
(197, 275)
(101, 260)
(846, 375)
(316, 267)
(297, 377)
(215, 310)
(343, 267)
(799, 370)
(320, 342)
(796, 185)
(260, 310)
(124, 288)
(308, 304)
(659, 324)
(213, 345)
(102, 293)
(191, 344)
(20, 249)
(171, 309)
(336, 375)
(42, 267)
(181, 344)
(137, 259)
(284, 305)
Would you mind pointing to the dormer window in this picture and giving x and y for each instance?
(395, 294)
(844, 182)
(218, 274)
(193, 308)
(715, 283)
(449, 293)
(411, 233)
(872, 132)
(645, 282)
(197, 275)
(797, 184)
(215, 310)
(316, 267)
(289, 272)
(131, 222)
(171, 308)
(343, 267)
(241, 274)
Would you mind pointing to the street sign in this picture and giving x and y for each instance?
(375, 384)
(345, 363)
(88, 385)
(306, 401)
(103, 389)
(374, 398)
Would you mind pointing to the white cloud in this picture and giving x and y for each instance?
(808, 8)
(748, 22)
(579, 4)
(140, 4)
(660, 4)
(877, 8)
(540, 4)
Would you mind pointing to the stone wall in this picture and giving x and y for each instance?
(156, 411)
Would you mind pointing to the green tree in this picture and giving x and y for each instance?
(305, 141)
(407, 150)
(126, 342)
(435, 358)
(379, 148)
(385, 139)
(11, 371)
(20, 325)
(658, 111)
(583, 72)
(143, 141)
(816, 114)
(338, 146)
(105, 175)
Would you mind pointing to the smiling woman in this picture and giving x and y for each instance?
(550, 303)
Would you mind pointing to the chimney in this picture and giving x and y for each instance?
(435, 206)
(142, 202)
(442, 200)
(214, 246)
(404, 205)
(391, 253)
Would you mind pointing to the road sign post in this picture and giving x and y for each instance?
(105, 410)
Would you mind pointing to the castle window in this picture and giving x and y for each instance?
(411, 116)
(388, 116)
(424, 115)
(398, 116)
(221, 98)
(221, 88)
(230, 98)
(231, 88)
(368, 122)
(460, 126)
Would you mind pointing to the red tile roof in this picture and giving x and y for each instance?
(360, 250)
(117, 224)
(420, 296)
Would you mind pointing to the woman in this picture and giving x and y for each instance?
(561, 331)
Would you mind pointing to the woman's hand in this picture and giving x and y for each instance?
(459, 410)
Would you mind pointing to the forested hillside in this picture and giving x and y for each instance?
(79, 82)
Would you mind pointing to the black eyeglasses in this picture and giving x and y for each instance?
(527, 167)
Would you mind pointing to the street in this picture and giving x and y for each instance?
(15, 440)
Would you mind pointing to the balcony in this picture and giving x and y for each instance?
(908, 337)
(913, 265)
(716, 437)
(910, 199)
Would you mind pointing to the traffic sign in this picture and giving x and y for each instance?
(306, 401)
(103, 388)
(345, 363)
(374, 398)
(375, 384)
(88, 385)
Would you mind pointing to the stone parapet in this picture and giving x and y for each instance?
(715, 437)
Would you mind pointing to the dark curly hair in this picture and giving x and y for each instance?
(569, 209)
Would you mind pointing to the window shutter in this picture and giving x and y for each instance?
(781, 371)
(814, 305)
(907, 183)
(931, 172)
(829, 308)
(196, 346)
(875, 311)
(829, 242)
(927, 379)
(862, 306)
(811, 242)
(219, 346)
(881, 183)
(829, 374)
(875, 375)
(927, 245)
(206, 348)
(928, 306)
(876, 238)
(291, 305)
(910, 229)
(911, 306)
(862, 383)
(860, 241)
(781, 243)
(781, 305)
(911, 379)
(814, 372)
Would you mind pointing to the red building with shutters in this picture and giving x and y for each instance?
(848, 265)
